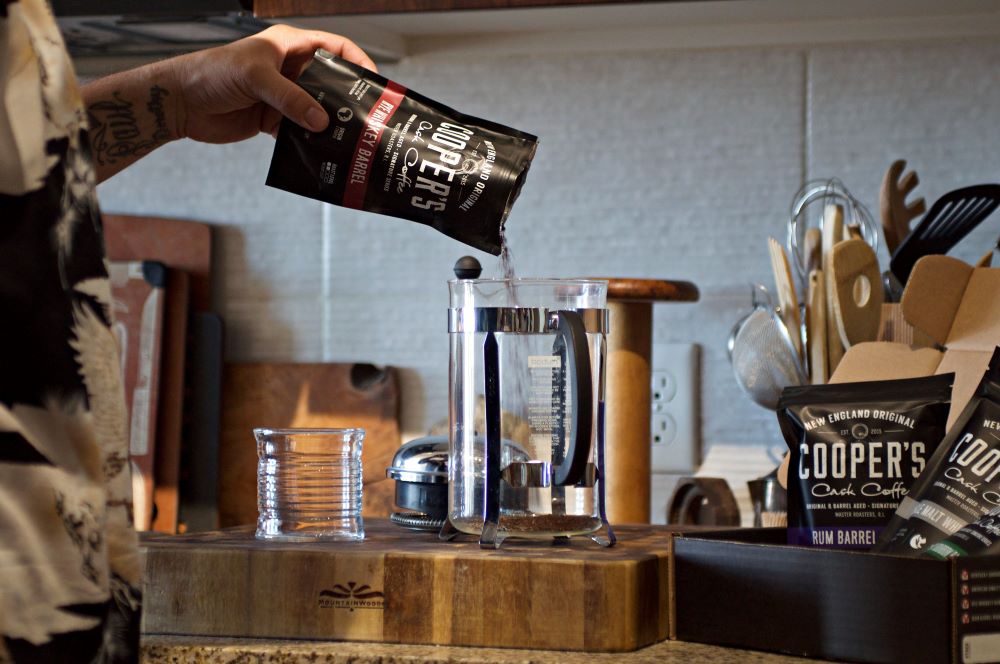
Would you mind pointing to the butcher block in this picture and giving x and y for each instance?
(403, 586)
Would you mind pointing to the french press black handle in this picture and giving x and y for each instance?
(573, 335)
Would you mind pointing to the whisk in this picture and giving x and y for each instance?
(807, 209)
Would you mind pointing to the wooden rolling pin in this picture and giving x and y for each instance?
(628, 403)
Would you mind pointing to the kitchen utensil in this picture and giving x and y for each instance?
(816, 328)
(813, 250)
(703, 501)
(891, 287)
(309, 484)
(764, 358)
(420, 469)
(629, 392)
(833, 228)
(172, 414)
(856, 293)
(949, 220)
(896, 212)
(788, 301)
(731, 339)
(198, 484)
(535, 350)
(185, 248)
(808, 209)
(813, 253)
(769, 500)
(138, 298)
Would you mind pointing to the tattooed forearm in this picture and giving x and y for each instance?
(131, 114)
(118, 135)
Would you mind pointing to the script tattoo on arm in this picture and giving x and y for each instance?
(118, 137)
(161, 134)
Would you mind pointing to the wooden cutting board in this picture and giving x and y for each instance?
(137, 294)
(401, 586)
(281, 395)
(177, 243)
(185, 247)
(170, 437)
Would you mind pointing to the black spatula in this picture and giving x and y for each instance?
(951, 218)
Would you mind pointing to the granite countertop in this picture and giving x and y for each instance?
(204, 650)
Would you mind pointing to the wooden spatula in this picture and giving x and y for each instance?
(896, 214)
(833, 228)
(813, 250)
(788, 301)
(857, 292)
(816, 328)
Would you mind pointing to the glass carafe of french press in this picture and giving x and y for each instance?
(527, 408)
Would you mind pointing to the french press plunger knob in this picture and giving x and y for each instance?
(467, 267)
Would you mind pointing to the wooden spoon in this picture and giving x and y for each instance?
(833, 227)
(816, 328)
(896, 214)
(857, 292)
(813, 250)
(788, 301)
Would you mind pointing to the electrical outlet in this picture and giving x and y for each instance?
(674, 419)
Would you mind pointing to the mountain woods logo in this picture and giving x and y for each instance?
(350, 597)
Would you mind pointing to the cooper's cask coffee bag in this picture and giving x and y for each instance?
(979, 538)
(855, 451)
(961, 484)
(393, 151)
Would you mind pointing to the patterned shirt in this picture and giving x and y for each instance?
(69, 572)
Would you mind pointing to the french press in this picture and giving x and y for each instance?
(526, 414)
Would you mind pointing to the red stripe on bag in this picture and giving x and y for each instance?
(364, 152)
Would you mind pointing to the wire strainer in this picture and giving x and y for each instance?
(764, 359)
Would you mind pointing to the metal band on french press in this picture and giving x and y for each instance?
(538, 474)
(521, 320)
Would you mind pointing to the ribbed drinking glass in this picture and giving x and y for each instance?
(309, 484)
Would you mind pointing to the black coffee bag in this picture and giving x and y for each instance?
(394, 151)
(855, 451)
(975, 539)
(962, 481)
